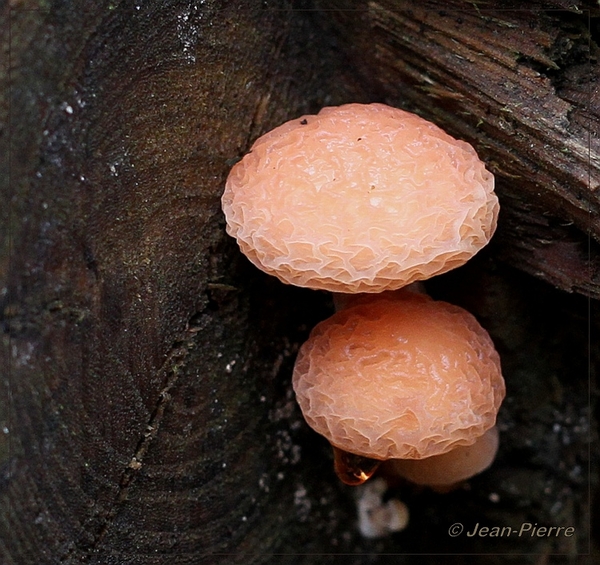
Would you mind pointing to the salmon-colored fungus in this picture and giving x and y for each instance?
(366, 198)
(359, 198)
(399, 377)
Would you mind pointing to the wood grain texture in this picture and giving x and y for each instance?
(146, 413)
(142, 410)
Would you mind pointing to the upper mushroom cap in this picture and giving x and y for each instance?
(401, 377)
(359, 198)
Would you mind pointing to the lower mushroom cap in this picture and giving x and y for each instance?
(399, 377)
(359, 198)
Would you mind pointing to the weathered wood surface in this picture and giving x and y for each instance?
(146, 410)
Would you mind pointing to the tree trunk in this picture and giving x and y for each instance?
(146, 412)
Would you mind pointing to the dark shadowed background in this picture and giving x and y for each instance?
(146, 412)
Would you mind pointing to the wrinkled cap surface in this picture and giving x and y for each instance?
(359, 198)
(402, 377)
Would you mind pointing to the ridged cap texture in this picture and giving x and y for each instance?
(359, 198)
(402, 377)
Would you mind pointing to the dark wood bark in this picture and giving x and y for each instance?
(146, 413)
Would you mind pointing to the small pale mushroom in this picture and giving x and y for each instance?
(377, 518)
(399, 377)
(359, 198)
(442, 472)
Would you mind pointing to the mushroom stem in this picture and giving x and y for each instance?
(342, 300)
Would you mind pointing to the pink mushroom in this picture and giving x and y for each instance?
(359, 198)
(400, 377)
(365, 198)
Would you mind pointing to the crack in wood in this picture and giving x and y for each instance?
(176, 360)
(172, 367)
